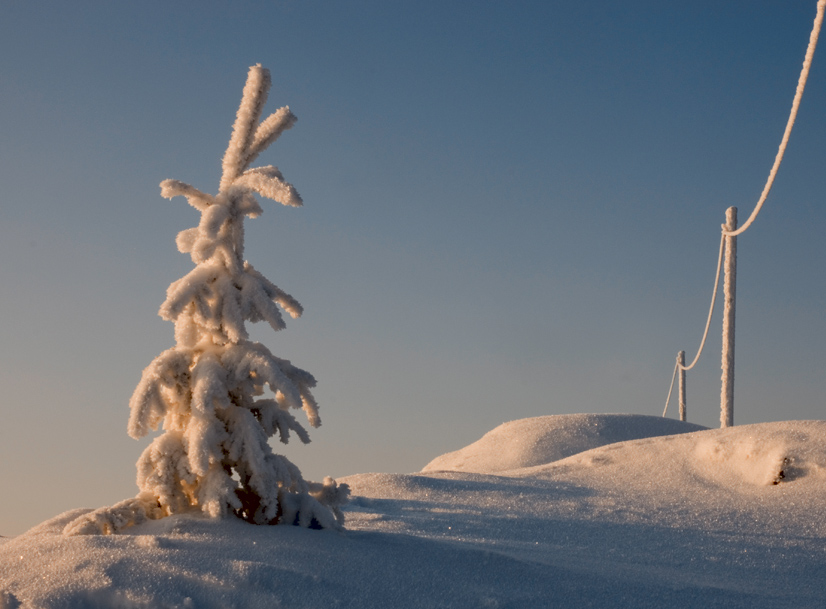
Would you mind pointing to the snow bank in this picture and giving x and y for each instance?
(539, 440)
(701, 519)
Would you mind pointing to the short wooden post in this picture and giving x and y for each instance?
(681, 386)
(729, 293)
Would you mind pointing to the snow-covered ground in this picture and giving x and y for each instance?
(560, 511)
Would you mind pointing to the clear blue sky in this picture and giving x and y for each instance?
(511, 210)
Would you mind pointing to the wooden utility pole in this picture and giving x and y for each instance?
(729, 294)
(681, 387)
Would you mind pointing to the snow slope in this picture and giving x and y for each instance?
(689, 520)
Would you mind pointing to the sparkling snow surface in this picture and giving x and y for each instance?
(711, 518)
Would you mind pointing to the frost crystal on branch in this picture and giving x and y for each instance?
(207, 392)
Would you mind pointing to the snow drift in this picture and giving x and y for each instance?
(710, 518)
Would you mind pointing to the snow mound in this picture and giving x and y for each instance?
(730, 460)
(540, 440)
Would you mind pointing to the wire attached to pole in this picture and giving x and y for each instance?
(679, 366)
(801, 84)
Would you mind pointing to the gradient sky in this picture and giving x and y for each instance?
(511, 210)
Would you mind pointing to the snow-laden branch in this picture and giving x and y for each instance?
(252, 103)
(275, 419)
(196, 198)
(253, 359)
(284, 300)
(268, 131)
(161, 389)
(268, 182)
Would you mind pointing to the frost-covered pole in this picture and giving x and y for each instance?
(681, 388)
(729, 294)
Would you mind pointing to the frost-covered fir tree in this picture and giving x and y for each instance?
(208, 391)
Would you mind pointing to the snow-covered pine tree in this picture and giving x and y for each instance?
(208, 390)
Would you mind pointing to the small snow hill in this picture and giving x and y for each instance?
(542, 440)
